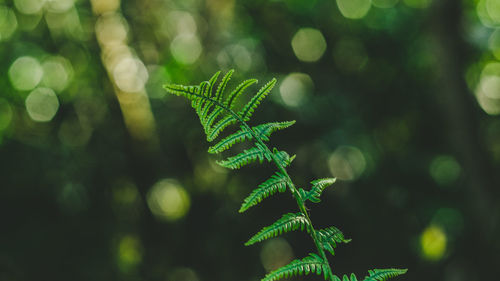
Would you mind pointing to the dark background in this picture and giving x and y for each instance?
(103, 176)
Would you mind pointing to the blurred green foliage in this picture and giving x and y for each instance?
(104, 177)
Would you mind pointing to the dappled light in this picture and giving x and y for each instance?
(276, 253)
(347, 163)
(433, 243)
(444, 170)
(25, 73)
(308, 44)
(354, 9)
(168, 201)
(295, 89)
(42, 104)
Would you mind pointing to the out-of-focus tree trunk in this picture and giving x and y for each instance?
(459, 110)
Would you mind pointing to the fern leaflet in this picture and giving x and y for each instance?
(384, 274)
(289, 222)
(242, 159)
(265, 130)
(277, 183)
(249, 108)
(345, 278)
(311, 264)
(233, 96)
(329, 237)
(317, 189)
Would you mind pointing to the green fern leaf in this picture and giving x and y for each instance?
(250, 107)
(345, 278)
(317, 188)
(222, 85)
(329, 237)
(211, 84)
(289, 222)
(265, 130)
(277, 183)
(311, 264)
(262, 131)
(233, 96)
(244, 158)
(203, 105)
(207, 123)
(230, 140)
(283, 158)
(220, 126)
(181, 90)
(384, 274)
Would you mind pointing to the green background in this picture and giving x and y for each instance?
(104, 176)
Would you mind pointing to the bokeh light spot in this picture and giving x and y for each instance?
(276, 253)
(129, 252)
(57, 73)
(241, 56)
(384, 3)
(354, 9)
(488, 89)
(130, 75)
(5, 114)
(444, 170)
(25, 73)
(181, 22)
(8, 23)
(186, 48)
(59, 6)
(295, 88)
(493, 10)
(494, 43)
(168, 200)
(433, 242)
(111, 30)
(29, 7)
(308, 44)
(42, 104)
(347, 163)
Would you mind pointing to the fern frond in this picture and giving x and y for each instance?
(384, 274)
(345, 278)
(265, 130)
(220, 126)
(233, 96)
(250, 107)
(244, 158)
(289, 222)
(329, 237)
(311, 264)
(277, 183)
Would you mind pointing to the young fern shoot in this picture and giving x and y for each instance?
(217, 111)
